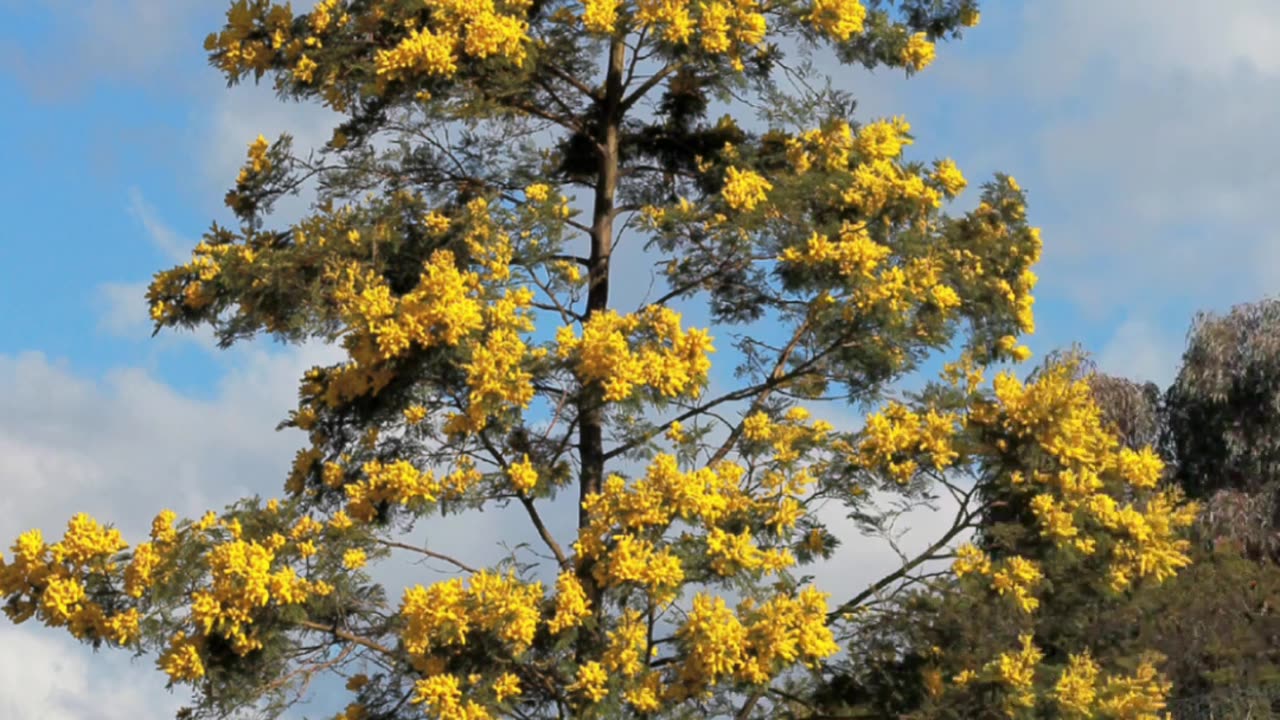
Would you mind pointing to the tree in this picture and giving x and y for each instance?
(943, 649)
(1215, 626)
(487, 365)
(1222, 421)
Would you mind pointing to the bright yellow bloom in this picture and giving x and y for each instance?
(522, 475)
(1075, 691)
(304, 70)
(599, 16)
(591, 682)
(918, 53)
(946, 174)
(572, 605)
(181, 661)
(537, 192)
(838, 19)
(745, 189)
(507, 685)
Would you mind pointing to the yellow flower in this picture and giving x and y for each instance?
(571, 603)
(414, 414)
(918, 52)
(591, 682)
(522, 475)
(181, 661)
(507, 685)
(946, 174)
(745, 189)
(538, 192)
(1075, 691)
(838, 19)
(675, 432)
(599, 16)
(354, 559)
(304, 70)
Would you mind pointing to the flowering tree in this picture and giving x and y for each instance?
(486, 364)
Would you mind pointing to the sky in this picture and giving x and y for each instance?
(1142, 130)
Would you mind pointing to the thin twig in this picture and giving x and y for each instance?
(429, 553)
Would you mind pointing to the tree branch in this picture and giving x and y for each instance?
(429, 553)
(346, 635)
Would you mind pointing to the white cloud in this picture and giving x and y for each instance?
(1143, 130)
(235, 117)
(1142, 351)
(122, 449)
(126, 446)
(165, 238)
(51, 677)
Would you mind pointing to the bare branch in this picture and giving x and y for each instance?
(429, 553)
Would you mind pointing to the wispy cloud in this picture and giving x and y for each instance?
(165, 238)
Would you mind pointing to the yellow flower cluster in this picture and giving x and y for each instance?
(256, 34)
(1079, 693)
(446, 613)
(838, 19)
(883, 139)
(1075, 692)
(599, 16)
(572, 605)
(648, 349)
(441, 310)
(896, 439)
(1017, 671)
(49, 582)
(753, 644)
(189, 286)
(400, 483)
(969, 560)
(831, 144)
(1018, 577)
(451, 306)
(730, 26)
(442, 697)
(523, 475)
(1056, 413)
(948, 177)
(591, 682)
(918, 53)
(787, 438)
(640, 561)
(1140, 696)
(1015, 576)
(627, 649)
(495, 373)
(241, 582)
(476, 29)
(181, 660)
(853, 254)
(627, 523)
(732, 553)
(744, 189)
(874, 186)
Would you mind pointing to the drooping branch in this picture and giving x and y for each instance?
(429, 553)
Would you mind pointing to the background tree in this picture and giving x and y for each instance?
(487, 363)
(1223, 423)
(1215, 626)
(927, 651)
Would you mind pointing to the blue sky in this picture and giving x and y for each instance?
(1143, 131)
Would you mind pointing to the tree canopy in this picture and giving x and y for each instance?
(459, 245)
